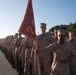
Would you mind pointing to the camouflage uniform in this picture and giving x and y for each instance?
(13, 47)
(62, 54)
(18, 43)
(73, 61)
(9, 51)
(23, 52)
(28, 44)
(14, 52)
(45, 58)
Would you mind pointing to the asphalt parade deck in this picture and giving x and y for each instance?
(5, 67)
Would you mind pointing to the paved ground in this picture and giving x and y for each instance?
(5, 67)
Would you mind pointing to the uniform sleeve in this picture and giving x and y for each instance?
(23, 44)
(49, 47)
(32, 51)
(72, 52)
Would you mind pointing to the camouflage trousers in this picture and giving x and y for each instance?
(60, 69)
(73, 67)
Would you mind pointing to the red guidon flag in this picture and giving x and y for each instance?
(27, 27)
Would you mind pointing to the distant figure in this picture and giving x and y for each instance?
(55, 35)
(72, 40)
(18, 43)
(28, 44)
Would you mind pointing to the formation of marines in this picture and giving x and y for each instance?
(52, 55)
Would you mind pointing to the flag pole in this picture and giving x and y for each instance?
(38, 63)
(27, 28)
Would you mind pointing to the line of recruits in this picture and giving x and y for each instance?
(57, 55)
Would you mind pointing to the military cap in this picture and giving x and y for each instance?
(61, 32)
(43, 25)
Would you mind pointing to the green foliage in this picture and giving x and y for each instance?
(69, 27)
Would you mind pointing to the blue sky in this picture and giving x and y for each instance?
(52, 12)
